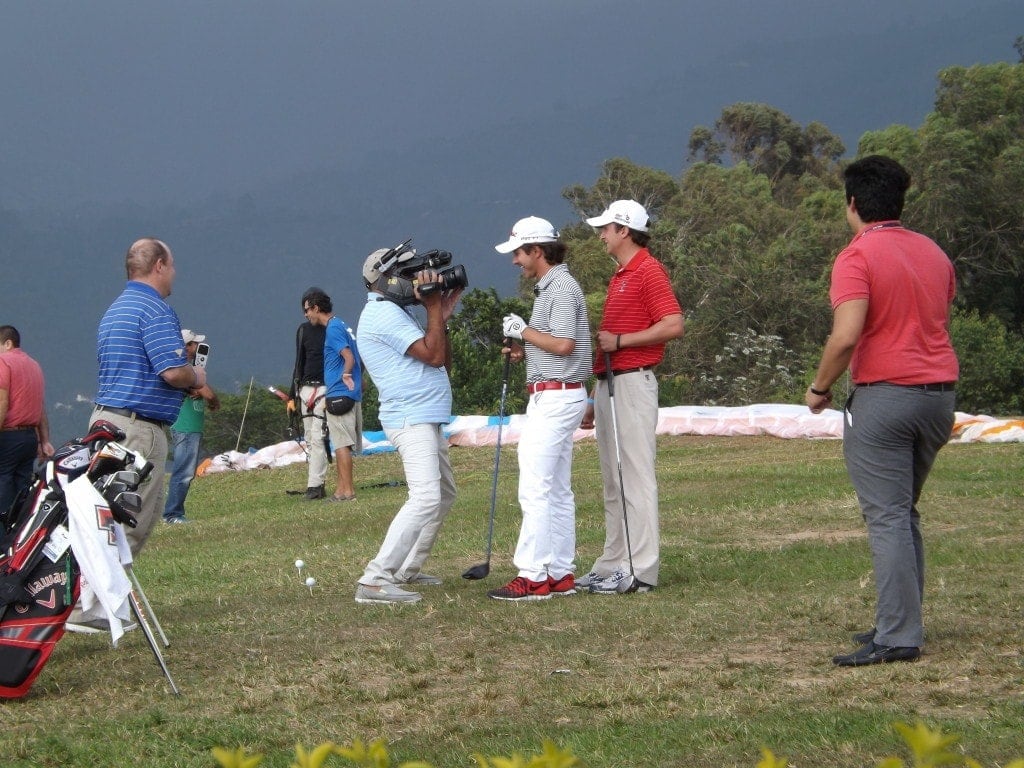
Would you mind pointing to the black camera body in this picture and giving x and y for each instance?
(400, 265)
(447, 279)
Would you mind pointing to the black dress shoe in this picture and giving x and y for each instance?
(315, 492)
(877, 654)
(863, 638)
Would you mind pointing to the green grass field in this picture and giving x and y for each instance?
(765, 573)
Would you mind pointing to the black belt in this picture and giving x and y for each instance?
(311, 383)
(132, 415)
(942, 386)
(604, 374)
(23, 428)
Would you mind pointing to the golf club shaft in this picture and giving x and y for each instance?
(497, 455)
(610, 379)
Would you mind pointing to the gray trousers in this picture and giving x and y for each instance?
(891, 436)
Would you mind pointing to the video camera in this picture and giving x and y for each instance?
(399, 266)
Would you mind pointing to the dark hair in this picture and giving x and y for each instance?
(143, 255)
(554, 253)
(315, 297)
(639, 238)
(10, 333)
(878, 186)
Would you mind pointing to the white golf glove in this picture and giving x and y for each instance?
(513, 326)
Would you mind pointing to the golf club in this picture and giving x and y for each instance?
(480, 570)
(610, 378)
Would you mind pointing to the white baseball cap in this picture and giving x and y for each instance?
(628, 213)
(189, 336)
(532, 229)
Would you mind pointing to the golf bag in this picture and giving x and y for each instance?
(40, 577)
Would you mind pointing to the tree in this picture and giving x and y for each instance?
(751, 274)
(622, 180)
(770, 142)
(477, 364)
(967, 161)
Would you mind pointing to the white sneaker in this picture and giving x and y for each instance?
(386, 593)
(620, 583)
(589, 580)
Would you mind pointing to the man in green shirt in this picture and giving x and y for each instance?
(186, 432)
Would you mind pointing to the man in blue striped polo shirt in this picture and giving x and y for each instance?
(143, 370)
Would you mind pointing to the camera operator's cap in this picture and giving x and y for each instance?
(532, 229)
(628, 213)
(371, 267)
(189, 336)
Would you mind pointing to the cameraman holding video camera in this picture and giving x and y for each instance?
(409, 365)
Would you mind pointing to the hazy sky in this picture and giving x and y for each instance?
(153, 101)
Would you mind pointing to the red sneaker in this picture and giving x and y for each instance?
(521, 588)
(563, 586)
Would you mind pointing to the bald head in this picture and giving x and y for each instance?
(150, 261)
(143, 255)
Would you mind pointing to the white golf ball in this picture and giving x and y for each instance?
(299, 564)
(310, 581)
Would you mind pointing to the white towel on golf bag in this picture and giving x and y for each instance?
(102, 551)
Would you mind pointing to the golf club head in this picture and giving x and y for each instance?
(628, 586)
(127, 476)
(125, 506)
(477, 572)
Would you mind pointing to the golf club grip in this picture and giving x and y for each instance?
(608, 375)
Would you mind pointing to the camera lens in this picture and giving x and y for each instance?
(455, 277)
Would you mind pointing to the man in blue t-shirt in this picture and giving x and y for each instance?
(409, 365)
(343, 377)
(143, 370)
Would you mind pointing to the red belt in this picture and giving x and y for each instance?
(540, 386)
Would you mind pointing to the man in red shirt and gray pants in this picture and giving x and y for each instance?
(891, 291)
(641, 314)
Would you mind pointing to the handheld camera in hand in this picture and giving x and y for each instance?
(398, 267)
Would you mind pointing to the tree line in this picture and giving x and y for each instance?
(748, 233)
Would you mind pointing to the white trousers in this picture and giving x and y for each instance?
(547, 537)
(313, 431)
(423, 449)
